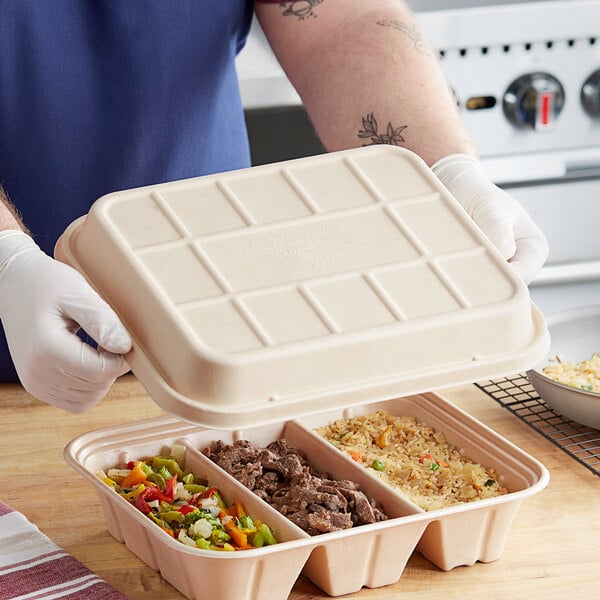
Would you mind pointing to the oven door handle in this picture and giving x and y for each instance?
(567, 273)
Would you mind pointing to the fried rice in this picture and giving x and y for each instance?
(584, 375)
(413, 458)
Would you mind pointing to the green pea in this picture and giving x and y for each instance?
(378, 465)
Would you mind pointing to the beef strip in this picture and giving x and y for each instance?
(364, 511)
(281, 476)
(268, 483)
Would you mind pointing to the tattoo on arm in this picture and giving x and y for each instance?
(302, 9)
(392, 135)
(411, 32)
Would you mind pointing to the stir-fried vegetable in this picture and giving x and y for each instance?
(185, 508)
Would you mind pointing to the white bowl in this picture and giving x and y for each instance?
(575, 336)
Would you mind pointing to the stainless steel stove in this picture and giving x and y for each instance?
(526, 75)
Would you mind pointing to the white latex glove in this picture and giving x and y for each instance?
(43, 303)
(499, 215)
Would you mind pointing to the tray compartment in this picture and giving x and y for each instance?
(465, 533)
(371, 555)
(268, 572)
(478, 534)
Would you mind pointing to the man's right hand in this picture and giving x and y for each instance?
(43, 304)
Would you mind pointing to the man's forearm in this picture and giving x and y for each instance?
(367, 76)
(9, 218)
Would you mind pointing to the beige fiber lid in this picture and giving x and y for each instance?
(270, 292)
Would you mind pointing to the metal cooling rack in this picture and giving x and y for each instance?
(516, 394)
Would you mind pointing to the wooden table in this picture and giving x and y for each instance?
(553, 548)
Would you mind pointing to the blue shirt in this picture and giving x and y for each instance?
(98, 96)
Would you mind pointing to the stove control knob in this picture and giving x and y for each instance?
(590, 94)
(534, 101)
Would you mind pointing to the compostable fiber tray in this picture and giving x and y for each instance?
(339, 562)
(259, 295)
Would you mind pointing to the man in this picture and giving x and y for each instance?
(99, 96)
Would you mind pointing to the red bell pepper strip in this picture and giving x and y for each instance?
(169, 490)
(154, 493)
(141, 504)
(207, 493)
(186, 508)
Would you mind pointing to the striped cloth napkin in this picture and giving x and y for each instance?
(33, 567)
